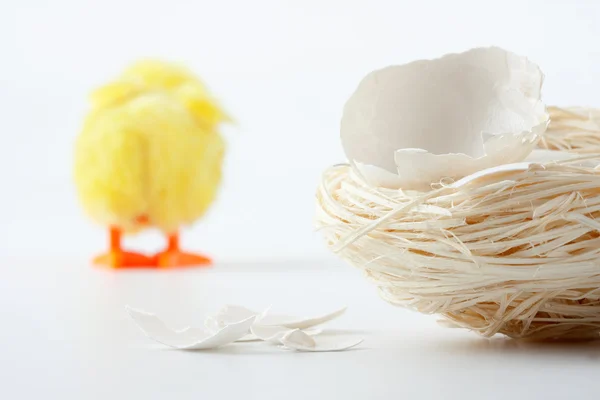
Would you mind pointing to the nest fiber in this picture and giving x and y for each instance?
(575, 129)
(514, 251)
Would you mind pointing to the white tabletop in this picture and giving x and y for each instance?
(65, 335)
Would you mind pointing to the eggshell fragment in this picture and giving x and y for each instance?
(227, 315)
(300, 341)
(189, 338)
(274, 334)
(293, 322)
(233, 313)
(411, 125)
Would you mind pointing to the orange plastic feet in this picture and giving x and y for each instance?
(174, 257)
(124, 259)
(178, 258)
(116, 257)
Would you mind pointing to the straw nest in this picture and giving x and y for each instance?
(514, 252)
(573, 129)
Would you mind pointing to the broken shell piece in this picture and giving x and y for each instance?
(271, 322)
(251, 337)
(234, 313)
(274, 334)
(189, 338)
(227, 315)
(300, 341)
(411, 125)
(292, 322)
(230, 314)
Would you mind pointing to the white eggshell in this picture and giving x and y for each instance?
(231, 314)
(274, 334)
(227, 315)
(411, 125)
(300, 341)
(189, 338)
(235, 313)
(292, 322)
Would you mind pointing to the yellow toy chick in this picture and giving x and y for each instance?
(150, 155)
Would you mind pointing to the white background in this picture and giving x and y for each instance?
(282, 68)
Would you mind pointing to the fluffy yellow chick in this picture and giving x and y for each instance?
(149, 155)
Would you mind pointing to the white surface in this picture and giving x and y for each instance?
(65, 335)
(282, 68)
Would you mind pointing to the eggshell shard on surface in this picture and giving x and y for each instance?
(236, 323)
(411, 125)
(274, 334)
(189, 338)
(227, 315)
(231, 314)
(234, 313)
(292, 322)
(301, 341)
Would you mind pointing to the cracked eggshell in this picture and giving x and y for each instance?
(300, 341)
(235, 313)
(411, 125)
(274, 334)
(227, 315)
(267, 326)
(231, 314)
(292, 322)
(188, 338)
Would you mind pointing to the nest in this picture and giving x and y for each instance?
(514, 252)
(574, 129)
